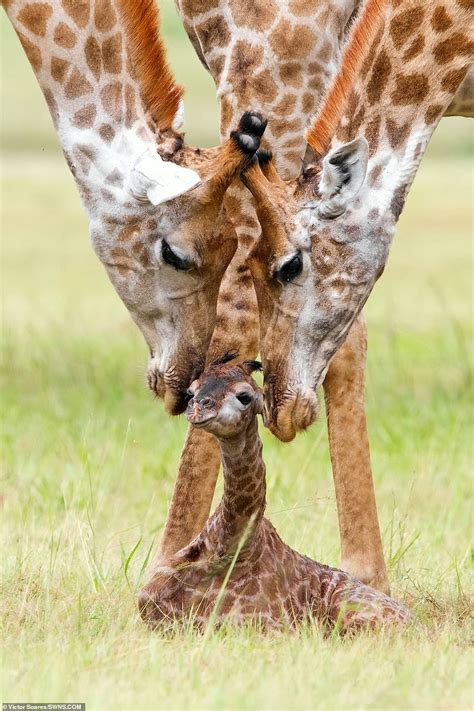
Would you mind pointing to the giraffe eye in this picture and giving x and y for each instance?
(290, 269)
(244, 398)
(173, 259)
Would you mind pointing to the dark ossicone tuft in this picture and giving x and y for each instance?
(252, 365)
(230, 355)
(264, 156)
(253, 122)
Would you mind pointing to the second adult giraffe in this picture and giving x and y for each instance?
(326, 236)
(278, 56)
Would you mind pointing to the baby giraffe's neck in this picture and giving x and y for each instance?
(241, 509)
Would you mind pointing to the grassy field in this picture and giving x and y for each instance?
(89, 459)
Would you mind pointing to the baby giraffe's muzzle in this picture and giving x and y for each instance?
(201, 411)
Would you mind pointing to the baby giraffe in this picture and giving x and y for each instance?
(238, 567)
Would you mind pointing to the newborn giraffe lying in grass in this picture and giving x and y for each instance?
(238, 568)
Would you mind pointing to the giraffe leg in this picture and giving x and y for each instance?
(350, 606)
(344, 390)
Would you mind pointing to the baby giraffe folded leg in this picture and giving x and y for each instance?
(238, 568)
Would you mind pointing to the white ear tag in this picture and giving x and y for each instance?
(158, 181)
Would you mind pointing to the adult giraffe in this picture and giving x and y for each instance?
(103, 71)
(326, 236)
(280, 55)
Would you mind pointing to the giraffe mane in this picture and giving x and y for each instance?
(159, 89)
(325, 122)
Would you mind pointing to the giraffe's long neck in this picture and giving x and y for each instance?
(241, 509)
(80, 54)
(417, 61)
(274, 55)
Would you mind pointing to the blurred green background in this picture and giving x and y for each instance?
(89, 459)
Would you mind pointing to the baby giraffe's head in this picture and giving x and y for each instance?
(225, 398)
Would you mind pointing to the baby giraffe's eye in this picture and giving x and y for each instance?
(173, 259)
(188, 395)
(244, 398)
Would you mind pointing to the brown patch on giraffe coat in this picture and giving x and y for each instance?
(84, 118)
(93, 56)
(372, 133)
(264, 86)
(35, 17)
(213, 32)
(111, 97)
(440, 20)
(52, 105)
(226, 114)
(372, 53)
(326, 52)
(64, 36)
(130, 108)
(292, 74)
(78, 10)
(112, 54)
(244, 63)
(432, 113)
(415, 48)
(398, 201)
(196, 7)
(128, 232)
(104, 16)
(106, 132)
(286, 105)
(455, 45)
(216, 65)
(32, 52)
(374, 175)
(410, 89)
(308, 103)
(77, 85)
(302, 7)
(379, 77)
(291, 42)
(257, 15)
(59, 68)
(404, 24)
(453, 79)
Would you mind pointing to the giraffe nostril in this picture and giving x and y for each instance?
(207, 402)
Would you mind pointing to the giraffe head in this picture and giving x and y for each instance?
(155, 204)
(169, 265)
(326, 236)
(310, 277)
(225, 398)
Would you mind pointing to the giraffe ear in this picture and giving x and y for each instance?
(343, 174)
(157, 181)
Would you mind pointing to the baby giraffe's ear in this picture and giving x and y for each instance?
(343, 174)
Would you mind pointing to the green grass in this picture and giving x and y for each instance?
(89, 459)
